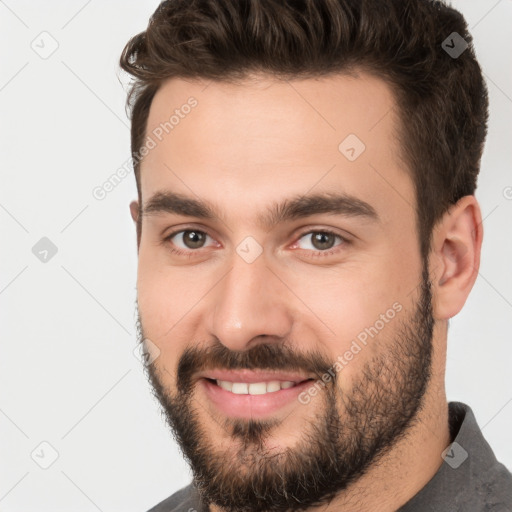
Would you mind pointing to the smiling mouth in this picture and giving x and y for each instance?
(256, 388)
(263, 397)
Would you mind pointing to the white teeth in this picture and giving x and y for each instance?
(224, 384)
(240, 388)
(273, 385)
(254, 388)
(257, 388)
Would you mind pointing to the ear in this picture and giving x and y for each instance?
(455, 256)
(134, 211)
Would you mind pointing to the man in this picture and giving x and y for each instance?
(306, 227)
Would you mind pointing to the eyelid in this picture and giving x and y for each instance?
(319, 229)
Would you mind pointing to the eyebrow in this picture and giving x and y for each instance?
(294, 208)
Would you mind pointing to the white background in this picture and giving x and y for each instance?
(67, 372)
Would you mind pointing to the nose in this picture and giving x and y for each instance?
(250, 302)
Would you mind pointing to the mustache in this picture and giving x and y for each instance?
(264, 356)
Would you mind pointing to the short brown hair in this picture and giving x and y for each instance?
(442, 100)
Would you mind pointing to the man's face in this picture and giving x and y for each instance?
(335, 302)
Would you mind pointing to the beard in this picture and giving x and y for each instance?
(350, 433)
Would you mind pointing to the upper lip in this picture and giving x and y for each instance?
(252, 376)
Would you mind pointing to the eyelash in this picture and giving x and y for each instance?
(315, 254)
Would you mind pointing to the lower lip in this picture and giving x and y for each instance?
(252, 406)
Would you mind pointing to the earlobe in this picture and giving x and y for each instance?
(457, 246)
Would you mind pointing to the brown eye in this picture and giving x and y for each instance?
(320, 240)
(188, 239)
(193, 239)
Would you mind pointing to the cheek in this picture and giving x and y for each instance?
(354, 309)
(346, 298)
(160, 312)
(169, 300)
(157, 296)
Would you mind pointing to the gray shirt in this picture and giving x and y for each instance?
(469, 480)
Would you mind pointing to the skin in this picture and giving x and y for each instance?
(245, 146)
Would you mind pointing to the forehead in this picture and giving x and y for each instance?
(263, 140)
